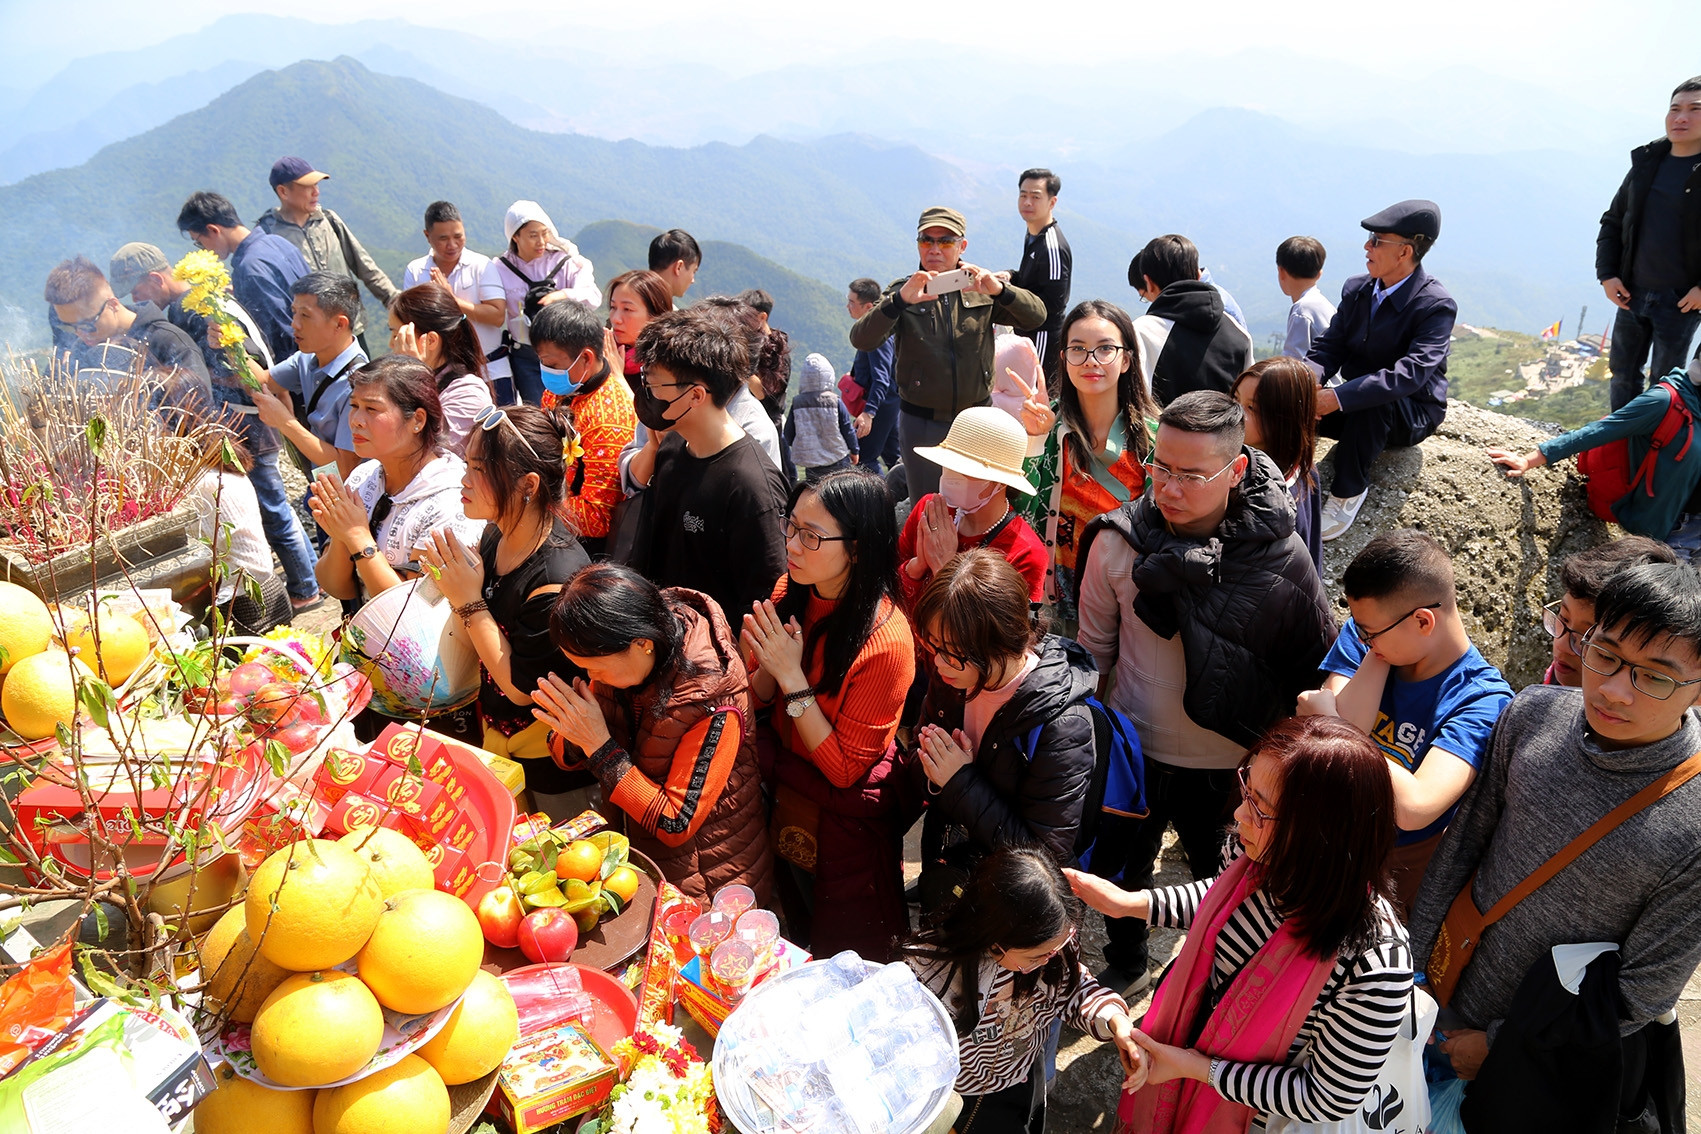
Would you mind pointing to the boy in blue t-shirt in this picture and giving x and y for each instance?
(1404, 670)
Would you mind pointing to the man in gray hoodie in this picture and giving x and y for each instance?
(1560, 760)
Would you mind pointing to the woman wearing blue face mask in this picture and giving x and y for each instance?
(581, 370)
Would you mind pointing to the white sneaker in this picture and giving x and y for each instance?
(1339, 514)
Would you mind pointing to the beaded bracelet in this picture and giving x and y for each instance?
(469, 609)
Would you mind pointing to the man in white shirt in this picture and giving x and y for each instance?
(469, 278)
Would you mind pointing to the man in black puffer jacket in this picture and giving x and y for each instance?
(1209, 613)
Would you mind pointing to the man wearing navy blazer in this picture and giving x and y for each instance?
(1388, 342)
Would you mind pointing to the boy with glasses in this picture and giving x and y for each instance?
(715, 504)
(1208, 619)
(1583, 576)
(1561, 761)
(943, 360)
(1404, 670)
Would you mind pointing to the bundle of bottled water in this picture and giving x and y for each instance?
(841, 1046)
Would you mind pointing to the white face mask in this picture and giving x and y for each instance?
(966, 493)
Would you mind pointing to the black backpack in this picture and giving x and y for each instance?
(535, 289)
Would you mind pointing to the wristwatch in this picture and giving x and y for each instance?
(798, 703)
(366, 552)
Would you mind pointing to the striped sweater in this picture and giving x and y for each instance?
(1348, 1034)
(1012, 1032)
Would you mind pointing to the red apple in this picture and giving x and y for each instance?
(247, 678)
(548, 935)
(276, 703)
(499, 915)
(298, 737)
(309, 711)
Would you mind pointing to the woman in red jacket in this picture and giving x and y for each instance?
(662, 725)
(832, 653)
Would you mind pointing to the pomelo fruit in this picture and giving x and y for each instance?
(481, 1029)
(405, 1098)
(238, 978)
(26, 627)
(123, 646)
(327, 904)
(39, 695)
(239, 1106)
(316, 1028)
(423, 952)
(396, 863)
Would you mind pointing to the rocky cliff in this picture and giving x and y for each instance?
(1507, 537)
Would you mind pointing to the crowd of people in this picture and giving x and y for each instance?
(1046, 578)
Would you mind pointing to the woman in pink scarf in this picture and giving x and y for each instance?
(1290, 989)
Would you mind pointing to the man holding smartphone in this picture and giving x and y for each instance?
(941, 318)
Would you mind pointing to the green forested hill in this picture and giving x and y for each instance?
(393, 145)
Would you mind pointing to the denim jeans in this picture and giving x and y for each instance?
(1653, 326)
(880, 447)
(528, 375)
(283, 527)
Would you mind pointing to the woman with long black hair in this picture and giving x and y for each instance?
(427, 322)
(832, 653)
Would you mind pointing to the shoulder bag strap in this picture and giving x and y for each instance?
(319, 390)
(1649, 795)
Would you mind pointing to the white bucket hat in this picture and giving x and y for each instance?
(986, 443)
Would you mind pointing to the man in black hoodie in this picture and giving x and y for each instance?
(1186, 340)
(119, 335)
(1648, 253)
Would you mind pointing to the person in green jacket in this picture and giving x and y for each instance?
(944, 341)
(1664, 513)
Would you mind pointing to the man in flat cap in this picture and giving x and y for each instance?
(1388, 343)
(142, 273)
(323, 237)
(943, 362)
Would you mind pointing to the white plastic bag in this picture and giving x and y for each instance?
(1398, 1102)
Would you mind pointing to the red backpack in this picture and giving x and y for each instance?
(1610, 477)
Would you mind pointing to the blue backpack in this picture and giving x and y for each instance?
(1118, 786)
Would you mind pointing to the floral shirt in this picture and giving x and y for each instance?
(1066, 500)
(605, 421)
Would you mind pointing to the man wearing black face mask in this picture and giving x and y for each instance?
(715, 504)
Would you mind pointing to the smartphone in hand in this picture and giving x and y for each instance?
(946, 282)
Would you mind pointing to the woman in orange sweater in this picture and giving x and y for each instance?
(833, 654)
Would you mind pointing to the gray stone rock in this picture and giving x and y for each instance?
(1507, 537)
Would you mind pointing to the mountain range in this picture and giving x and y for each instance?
(1516, 245)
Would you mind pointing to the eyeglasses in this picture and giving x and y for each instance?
(1376, 241)
(1162, 474)
(1258, 813)
(492, 417)
(1078, 356)
(381, 511)
(1554, 623)
(938, 241)
(1655, 684)
(87, 326)
(958, 661)
(809, 537)
(652, 387)
(1369, 636)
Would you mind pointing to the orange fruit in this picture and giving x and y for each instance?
(407, 1097)
(424, 951)
(327, 903)
(396, 863)
(316, 1028)
(238, 1106)
(238, 978)
(478, 1034)
(624, 882)
(580, 859)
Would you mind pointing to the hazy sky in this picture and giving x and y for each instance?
(1621, 52)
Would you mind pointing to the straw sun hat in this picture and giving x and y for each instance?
(985, 443)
